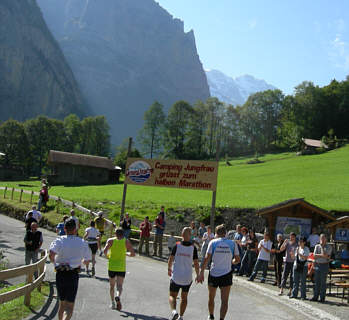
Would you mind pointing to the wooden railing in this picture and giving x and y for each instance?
(29, 270)
(72, 204)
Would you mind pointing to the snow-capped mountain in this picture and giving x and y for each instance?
(234, 91)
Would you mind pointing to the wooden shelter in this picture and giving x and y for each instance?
(339, 229)
(79, 169)
(295, 215)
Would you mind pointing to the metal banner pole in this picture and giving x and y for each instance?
(213, 206)
(125, 184)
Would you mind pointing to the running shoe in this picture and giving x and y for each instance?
(174, 315)
(101, 253)
(210, 318)
(113, 306)
(118, 303)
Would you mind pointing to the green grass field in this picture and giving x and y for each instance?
(321, 179)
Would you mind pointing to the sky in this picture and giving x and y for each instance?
(284, 42)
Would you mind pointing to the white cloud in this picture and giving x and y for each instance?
(339, 46)
(252, 24)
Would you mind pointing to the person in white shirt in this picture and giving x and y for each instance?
(180, 270)
(92, 237)
(77, 222)
(206, 238)
(223, 253)
(313, 239)
(300, 269)
(263, 259)
(36, 214)
(67, 252)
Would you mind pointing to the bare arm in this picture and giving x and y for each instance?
(283, 246)
(203, 268)
(169, 265)
(131, 252)
(85, 235)
(197, 269)
(107, 246)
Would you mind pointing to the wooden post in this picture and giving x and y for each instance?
(5, 192)
(41, 269)
(31, 197)
(27, 295)
(73, 205)
(20, 195)
(214, 193)
(125, 184)
(12, 191)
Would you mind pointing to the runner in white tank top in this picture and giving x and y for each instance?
(180, 270)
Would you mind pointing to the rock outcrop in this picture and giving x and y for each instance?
(34, 75)
(125, 55)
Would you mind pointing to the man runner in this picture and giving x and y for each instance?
(100, 225)
(92, 236)
(223, 252)
(182, 257)
(116, 250)
(67, 253)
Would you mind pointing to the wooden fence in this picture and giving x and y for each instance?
(72, 204)
(29, 270)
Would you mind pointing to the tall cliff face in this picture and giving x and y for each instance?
(34, 75)
(125, 55)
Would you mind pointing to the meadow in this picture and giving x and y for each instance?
(321, 179)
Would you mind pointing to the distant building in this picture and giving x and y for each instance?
(313, 144)
(81, 169)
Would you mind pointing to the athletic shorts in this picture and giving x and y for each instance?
(222, 281)
(67, 283)
(93, 247)
(113, 274)
(174, 287)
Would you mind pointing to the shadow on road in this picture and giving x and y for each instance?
(135, 316)
(44, 312)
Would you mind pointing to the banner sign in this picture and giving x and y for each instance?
(342, 234)
(184, 174)
(285, 225)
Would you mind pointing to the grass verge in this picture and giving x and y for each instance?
(15, 309)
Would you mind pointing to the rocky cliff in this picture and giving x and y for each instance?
(34, 75)
(125, 55)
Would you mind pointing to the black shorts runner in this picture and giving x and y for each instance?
(223, 281)
(113, 274)
(93, 247)
(67, 283)
(174, 287)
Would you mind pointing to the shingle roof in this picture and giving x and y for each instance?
(314, 143)
(85, 160)
(292, 202)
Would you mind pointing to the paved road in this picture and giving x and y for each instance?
(145, 294)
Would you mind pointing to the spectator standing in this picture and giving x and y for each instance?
(76, 220)
(162, 212)
(237, 239)
(207, 237)
(145, 228)
(300, 269)
(125, 224)
(60, 227)
(159, 225)
(67, 253)
(202, 230)
(43, 197)
(250, 255)
(243, 247)
(290, 247)
(180, 269)
(313, 239)
(171, 242)
(33, 242)
(222, 251)
(36, 214)
(92, 236)
(100, 223)
(264, 247)
(279, 259)
(29, 220)
(322, 255)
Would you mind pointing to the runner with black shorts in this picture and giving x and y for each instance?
(223, 252)
(116, 250)
(182, 257)
(92, 236)
(67, 252)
